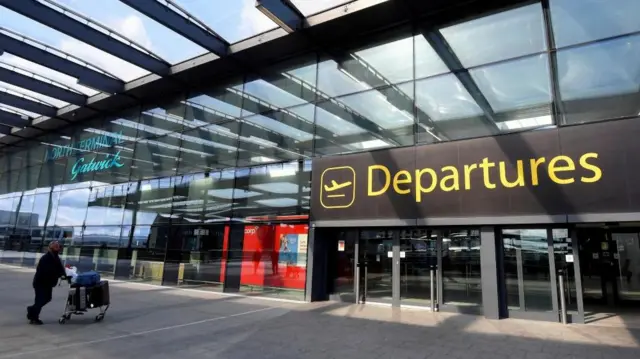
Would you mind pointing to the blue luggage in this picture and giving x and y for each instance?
(88, 279)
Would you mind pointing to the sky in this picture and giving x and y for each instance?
(234, 20)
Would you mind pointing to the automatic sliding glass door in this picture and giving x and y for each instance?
(533, 260)
(375, 249)
(418, 257)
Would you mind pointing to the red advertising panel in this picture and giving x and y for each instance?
(225, 254)
(275, 255)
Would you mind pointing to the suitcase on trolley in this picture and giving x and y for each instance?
(77, 301)
(99, 295)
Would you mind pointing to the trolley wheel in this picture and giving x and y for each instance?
(62, 320)
(99, 317)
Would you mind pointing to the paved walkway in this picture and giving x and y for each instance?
(156, 322)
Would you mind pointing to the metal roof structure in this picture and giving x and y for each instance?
(34, 62)
(65, 61)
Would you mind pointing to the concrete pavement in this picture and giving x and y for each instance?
(157, 322)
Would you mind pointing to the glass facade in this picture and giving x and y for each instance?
(156, 192)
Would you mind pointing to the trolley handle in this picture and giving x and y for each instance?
(64, 279)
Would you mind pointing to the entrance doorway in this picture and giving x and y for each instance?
(406, 267)
(610, 266)
(539, 271)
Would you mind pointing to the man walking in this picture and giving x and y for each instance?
(49, 270)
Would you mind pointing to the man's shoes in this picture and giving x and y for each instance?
(36, 322)
(29, 313)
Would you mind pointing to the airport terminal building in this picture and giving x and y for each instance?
(469, 156)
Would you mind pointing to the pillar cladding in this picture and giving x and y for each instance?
(489, 264)
(313, 281)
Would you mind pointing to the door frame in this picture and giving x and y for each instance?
(554, 314)
(608, 235)
(396, 273)
(360, 280)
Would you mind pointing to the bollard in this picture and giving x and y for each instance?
(563, 304)
(433, 299)
(357, 285)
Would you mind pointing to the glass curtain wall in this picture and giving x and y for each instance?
(159, 182)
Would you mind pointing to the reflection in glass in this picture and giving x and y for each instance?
(377, 106)
(72, 207)
(564, 253)
(199, 250)
(388, 59)
(627, 256)
(427, 61)
(274, 259)
(335, 81)
(461, 279)
(341, 267)
(420, 257)
(600, 70)
(445, 98)
(579, 21)
(272, 190)
(374, 249)
(527, 271)
(498, 37)
(515, 85)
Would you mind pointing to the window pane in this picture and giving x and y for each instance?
(599, 70)
(106, 205)
(515, 85)
(600, 81)
(526, 261)
(274, 259)
(445, 98)
(578, 21)
(497, 37)
(233, 20)
(389, 108)
(461, 267)
(391, 60)
(72, 207)
(337, 81)
(140, 28)
(272, 124)
(427, 61)
(278, 189)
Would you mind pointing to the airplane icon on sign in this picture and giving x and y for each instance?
(336, 186)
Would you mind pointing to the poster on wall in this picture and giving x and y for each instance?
(292, 248)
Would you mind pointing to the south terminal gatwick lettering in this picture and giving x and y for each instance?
(83, 149)
(88, 145)
(82, 166)
(422, 181)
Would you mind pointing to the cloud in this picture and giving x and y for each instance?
(133, 28)
(102, 60)
(252, 21)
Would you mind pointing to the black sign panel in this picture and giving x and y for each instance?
(581, 169)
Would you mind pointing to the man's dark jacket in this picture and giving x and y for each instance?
(49, 270)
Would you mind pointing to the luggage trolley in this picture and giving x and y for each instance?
(82, 298)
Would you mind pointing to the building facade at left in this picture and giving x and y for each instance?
(136, 204)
